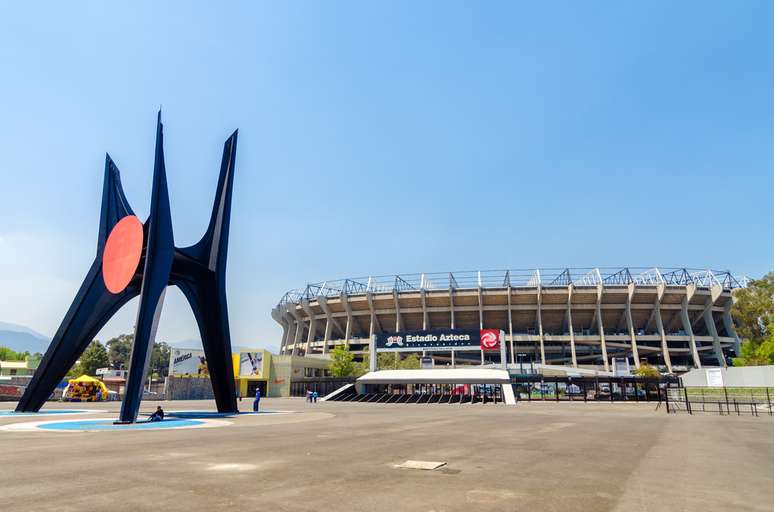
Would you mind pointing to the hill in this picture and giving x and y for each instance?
(22, 339)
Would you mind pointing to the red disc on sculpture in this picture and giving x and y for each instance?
(122, 253)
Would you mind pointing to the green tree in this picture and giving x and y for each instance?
(159, 363)
(394, 361)
(120, 350)
(646, 370)
(6, 354)
(342, 364)
(753, 313)
(95, 356)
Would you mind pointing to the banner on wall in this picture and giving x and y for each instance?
(250, 363)
(440, 339)
(188, 363)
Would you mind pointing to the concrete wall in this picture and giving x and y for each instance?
(743, 376)
(285, 369)
(188, 388)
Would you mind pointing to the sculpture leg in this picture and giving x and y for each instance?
(91, 309)
(211, 313)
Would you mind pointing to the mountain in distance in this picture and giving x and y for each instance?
(22, 339)
(197, 345)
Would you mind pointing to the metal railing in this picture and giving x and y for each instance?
(520, 278)
(722, 401)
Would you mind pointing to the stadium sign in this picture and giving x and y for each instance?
(439, 339)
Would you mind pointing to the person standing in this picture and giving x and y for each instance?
(257, 401)
(314, 396)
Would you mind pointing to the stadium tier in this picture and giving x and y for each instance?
(675, 318)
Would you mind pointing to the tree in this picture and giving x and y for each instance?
(159, 363)
(342, 362)
(6, 354)
(120, 350)
(753, 313)
(95, 356)
(387, 361)
(646, 370)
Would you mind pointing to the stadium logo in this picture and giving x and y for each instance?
(394, 340)
(490, 339)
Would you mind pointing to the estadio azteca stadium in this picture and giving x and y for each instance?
(674, 318)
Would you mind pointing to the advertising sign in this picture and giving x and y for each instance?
(250, 363)
(439, 339)
(189, 363)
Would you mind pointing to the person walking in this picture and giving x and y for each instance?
(314, 396)
(257, 401)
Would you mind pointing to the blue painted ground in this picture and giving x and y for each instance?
(108, 425)
(41, 413)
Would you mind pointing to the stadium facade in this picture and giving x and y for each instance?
(676, 318)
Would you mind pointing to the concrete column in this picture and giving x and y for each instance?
(728, 322)
(540, 324)
(285, 330)
(569, 325)
(709, 321)
(451, 305)
(480, 311)
(348, 328)
(330, 321)
(601, 327)
(398, 320)
(299, 332)
(630, 325)
(328, 325)
(510, 323)
(661, 331)
(312, 324)
(348, 332)
(425, 318)
(687, 324)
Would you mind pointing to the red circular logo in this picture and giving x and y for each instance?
(122, 253)
(490, 339)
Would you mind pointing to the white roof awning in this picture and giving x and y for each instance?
(437, 376)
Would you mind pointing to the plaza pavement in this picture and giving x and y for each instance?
(340, 456)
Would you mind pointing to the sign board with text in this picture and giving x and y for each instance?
(439, 339)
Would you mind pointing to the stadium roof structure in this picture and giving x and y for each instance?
(518, 278)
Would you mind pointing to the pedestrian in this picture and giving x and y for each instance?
(257, 401)
(314, 396)
(309, 395)
(158, 415)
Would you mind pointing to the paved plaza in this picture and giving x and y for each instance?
(340, 456)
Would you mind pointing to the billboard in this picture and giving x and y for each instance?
(250, 364)
(440, 339)
(188, 363)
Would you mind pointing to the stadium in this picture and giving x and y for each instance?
(579, 318)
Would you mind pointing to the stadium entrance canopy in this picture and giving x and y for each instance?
(457, 380)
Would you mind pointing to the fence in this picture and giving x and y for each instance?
(723, 401)
(586, 389)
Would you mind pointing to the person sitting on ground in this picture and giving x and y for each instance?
(158, 415)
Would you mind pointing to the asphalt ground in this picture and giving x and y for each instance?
(341, 456)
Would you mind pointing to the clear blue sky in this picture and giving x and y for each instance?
(386, 137)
